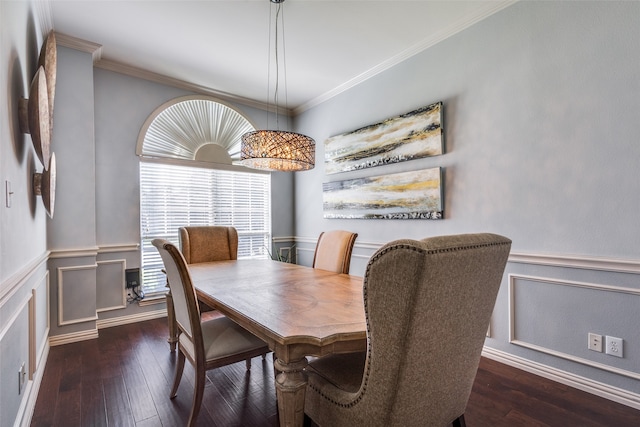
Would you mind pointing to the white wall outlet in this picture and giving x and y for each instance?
(22, 376)
(8, 193)
(614, 346)
(595, 342)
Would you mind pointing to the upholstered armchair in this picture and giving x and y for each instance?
(333, 251)
(428, 305)
(201, 244)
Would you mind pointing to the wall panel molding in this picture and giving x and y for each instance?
(13, 283)
(74, 253)
(93, 250)
(577, 261)
(36, 353)
(120, 284)
(123, 247)
(19, 308)
(610, 264)
(61, 272)
(513, 339)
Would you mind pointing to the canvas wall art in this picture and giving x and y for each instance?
(405, 195)
(413, 135)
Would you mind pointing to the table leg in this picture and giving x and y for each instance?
(291, 384)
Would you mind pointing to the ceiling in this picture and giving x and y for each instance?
(223, 46)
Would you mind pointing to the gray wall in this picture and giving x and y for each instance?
(99, 176)
(24, 280)
(541, 122)
(541, 108)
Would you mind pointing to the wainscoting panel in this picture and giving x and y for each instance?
(39, 317)
(110, 279)
(15, 383)
(554, 316)
(72, 306)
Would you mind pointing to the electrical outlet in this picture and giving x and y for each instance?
(22, 376)
(132, 277)
(614, 346)
(8, 193)
(595, 342)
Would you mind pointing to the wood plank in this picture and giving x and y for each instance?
(135, 360)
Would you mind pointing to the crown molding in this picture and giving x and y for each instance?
(129, 70)
(71, 42)
(479, 14)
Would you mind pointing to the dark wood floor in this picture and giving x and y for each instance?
(123, 379)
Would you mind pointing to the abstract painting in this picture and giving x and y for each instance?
(405, 195)
(413, 135)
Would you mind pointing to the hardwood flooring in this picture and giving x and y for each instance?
(123, 379)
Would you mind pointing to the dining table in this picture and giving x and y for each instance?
(298, 311)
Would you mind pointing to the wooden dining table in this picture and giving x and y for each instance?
(298, 311)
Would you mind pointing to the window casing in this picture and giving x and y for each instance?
(173, 196)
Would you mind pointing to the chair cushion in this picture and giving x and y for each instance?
(344, 371)
(221, 337)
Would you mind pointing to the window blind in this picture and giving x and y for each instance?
(173, 196)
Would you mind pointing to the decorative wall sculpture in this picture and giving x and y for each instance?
(409, 136)
(44, 184)
(35, 117)
(405, 195)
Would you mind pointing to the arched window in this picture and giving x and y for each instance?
(187, 149)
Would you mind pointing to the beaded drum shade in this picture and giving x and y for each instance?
(278, 150)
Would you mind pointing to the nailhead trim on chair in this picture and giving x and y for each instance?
(375, 256)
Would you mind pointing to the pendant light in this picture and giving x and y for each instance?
(277, 150)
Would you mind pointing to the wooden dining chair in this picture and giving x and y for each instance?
(209, 344)
(201, 244)
(333, 251)
(428, 304)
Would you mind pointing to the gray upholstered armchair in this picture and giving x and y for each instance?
(428, 305)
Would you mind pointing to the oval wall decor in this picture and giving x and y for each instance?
(44, 184)
(34, 116)
(48, 60)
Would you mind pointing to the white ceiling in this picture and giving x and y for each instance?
(223, 45)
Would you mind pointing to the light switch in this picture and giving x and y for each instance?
(9, 193)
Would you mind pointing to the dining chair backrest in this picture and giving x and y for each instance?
(187, 313)
(428, 305)
(333, 251)
(208, 243)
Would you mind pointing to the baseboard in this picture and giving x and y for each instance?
(25, 413)
(134, 318)
(614, 394)
(73, 337)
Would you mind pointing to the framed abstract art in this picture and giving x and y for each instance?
(409, 136)
(405, 195)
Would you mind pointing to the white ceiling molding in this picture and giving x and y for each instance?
(129, 70)
(82, 45)
(458, 26)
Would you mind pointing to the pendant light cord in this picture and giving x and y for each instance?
(275, 94)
